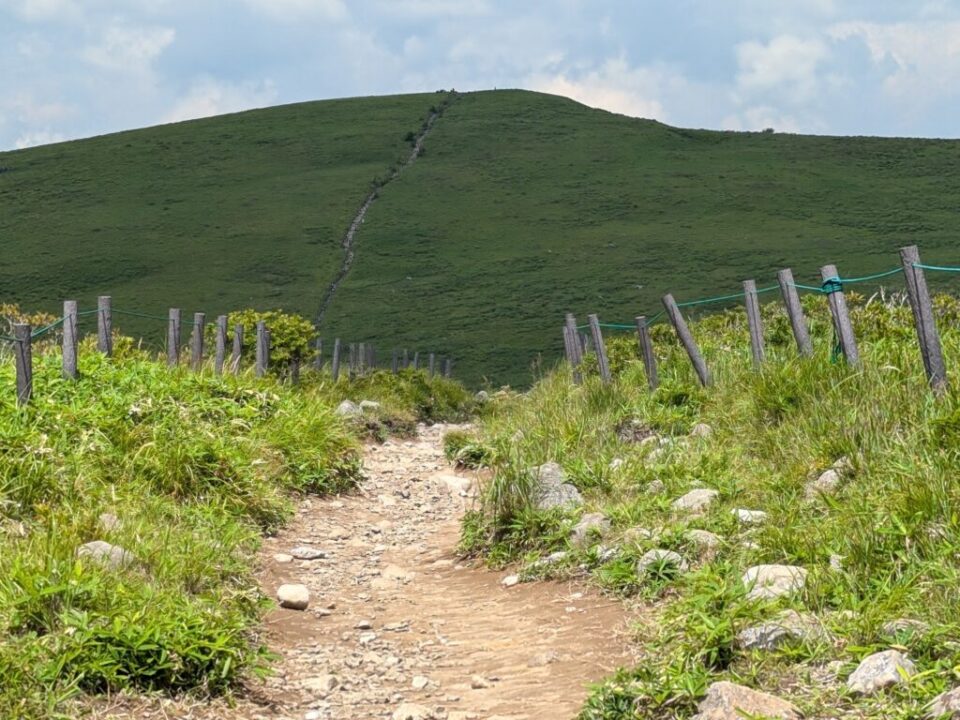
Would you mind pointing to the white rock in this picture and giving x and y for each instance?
(366, 405)
(322, 684)
(655, 559)
(109, 522)
(591, 525)
(478, 682)
(419, 682)
(945, 705)
(293, 597)
(103, 553)
(826, 484)
(695, 501)
(706, 541)
(788, 627)
(655, 487)
(409, 711)
(553, 490)
(727, 701)
(283, 558)
(772, 581)
(903, 626)
(510, 580)
(304, 552)
(879, 671)
(701, 430)
(749, 517)
(348, 409)
(616, 463)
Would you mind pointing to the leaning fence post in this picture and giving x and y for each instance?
(318, 357)
(686, 337)
(923, 318)
(262, 361)
(23, 334)
(70, 340)
(335, 360)
(173, 337)
(754, 321)
(196, 341)
(841, 315)
(791, 301)
(220, 349)
(576, 348)
(600, 349)
(646, 349)
(104, 325)
(237, 352)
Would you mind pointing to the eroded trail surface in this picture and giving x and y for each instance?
(399, 627)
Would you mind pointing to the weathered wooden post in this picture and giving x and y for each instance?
(361, 358)
(173, 337)
(447, 367)
(432, 364)
(263, 351)
(335, 360)
(196, 341)
(923, 318)
(406, 359)
(70, 340)
(754, 321)
(686, 337)
(23, 349)
(237, 352)
(416, 360)
(295, 370)
(798, 323)
(600, 349)
(220, 348)
(318, 357)
(371, 356)
(104, 325)
(833, 287)
(646, 350)
(395, 363)
(576, 348)
(352, 360)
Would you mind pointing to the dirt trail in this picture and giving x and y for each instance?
(396, 618)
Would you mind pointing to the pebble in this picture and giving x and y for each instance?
(510, 581)
(293, 597)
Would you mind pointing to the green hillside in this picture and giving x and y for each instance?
(523, 206)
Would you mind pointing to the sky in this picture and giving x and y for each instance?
(76, 68)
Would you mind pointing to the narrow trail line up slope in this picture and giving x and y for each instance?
(395, 618)
(350, 237)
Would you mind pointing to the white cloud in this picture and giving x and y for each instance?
(433, 9)
(299, 10)
(38, 137)
(615, 86)
(209, 97)
(786, 66)
(129, 49)
(42, 10)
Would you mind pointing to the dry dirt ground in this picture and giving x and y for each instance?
(396, 618)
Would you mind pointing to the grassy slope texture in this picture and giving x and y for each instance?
(523, 206)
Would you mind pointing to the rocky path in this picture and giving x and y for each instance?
(399, 627)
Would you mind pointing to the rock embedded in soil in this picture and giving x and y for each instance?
(787, 628)
(773, 581)
(109, 522)
(320, 684)
(348, 409)
(112, 556)
(701, 430)
(305, 552)
(366, 405)
(655, 487)
(478, 682)
(749, 517)
(728, 701)
(293, 596)
(945, 705)
(554, 491)
(510, 581)
(695, 501)
(901, 627)
(654, 559)
(706, 541)
(826, 484)
(409, 711)
(880, 670)
(591, 526)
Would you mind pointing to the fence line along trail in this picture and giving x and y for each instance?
(398, 626)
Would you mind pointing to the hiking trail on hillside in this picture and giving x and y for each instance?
(397, 622)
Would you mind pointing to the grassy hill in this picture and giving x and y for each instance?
(522, 207)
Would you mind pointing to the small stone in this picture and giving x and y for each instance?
(728, 701)
(543, 659)
(112, 556)
(419, 682)
(293, 597)
(655, 487)
(836, 562)
(773, 581)
(368, 405)
(409, 711)
(653, 560)
(363, 625)
(749, 517)
(945, 705)
(701, 430)
(707, 542)
(826, 484)
(482, 396)
(510, 581)
(478, 682)
(695, 501)
(109, 522)
(348, 409)
(312, 715)
(322, 684)
(554, 491)
(879, 671)
(591, 525)
(367, 638)
(902, 627)
(305, 552)
(283, 558)
(616, 463)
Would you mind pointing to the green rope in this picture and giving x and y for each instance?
(133, 313)
(708, 301)
(937, 268)
(870, 278)
(44, 330)
(831, 285)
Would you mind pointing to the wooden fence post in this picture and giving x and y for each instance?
(754, 321)
(646, 349)
(361, 358)
(791, 301)
(335, 360)
(196, 341)
(262, 353)
(686, 337)
(431, 364)
(395, 362)
(406, 359)
(220, 349)
(104, 325)
(173, 337)
(841, 315)
(416, 360)
(318, 357)
(352, 360)
(576, 348)
(372, 356)
(70, 340)
(600, 349)
(237, 353)
(23, 348)
(295, 370)
(927, 333)
(448, 367)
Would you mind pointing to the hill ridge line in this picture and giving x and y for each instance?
(348, 239)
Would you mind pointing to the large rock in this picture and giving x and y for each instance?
(409, 711)
(655, 559)
(880, 670)
(348, 409)
(590, 527)
(554, 491)
(727, 701)
(773, 581)
(103, 553)
(945, 705)
(695, 501)
(789, 627)
(293, 597)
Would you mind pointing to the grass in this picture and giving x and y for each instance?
(882, 547)
(523, 207)
(195, 468)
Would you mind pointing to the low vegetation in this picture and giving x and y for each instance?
(181, 473)
(878, 537)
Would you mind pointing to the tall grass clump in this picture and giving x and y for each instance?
(880, 544)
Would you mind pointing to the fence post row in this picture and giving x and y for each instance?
(841, 315)
(686, 337)
(646, 349)
(754, 321)
(798, 323)
(173, 337)
(926, 326)
(600, 349)
(104, 325)
(196, 341)
(23, 334)
(70, 340)
(220, 348)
